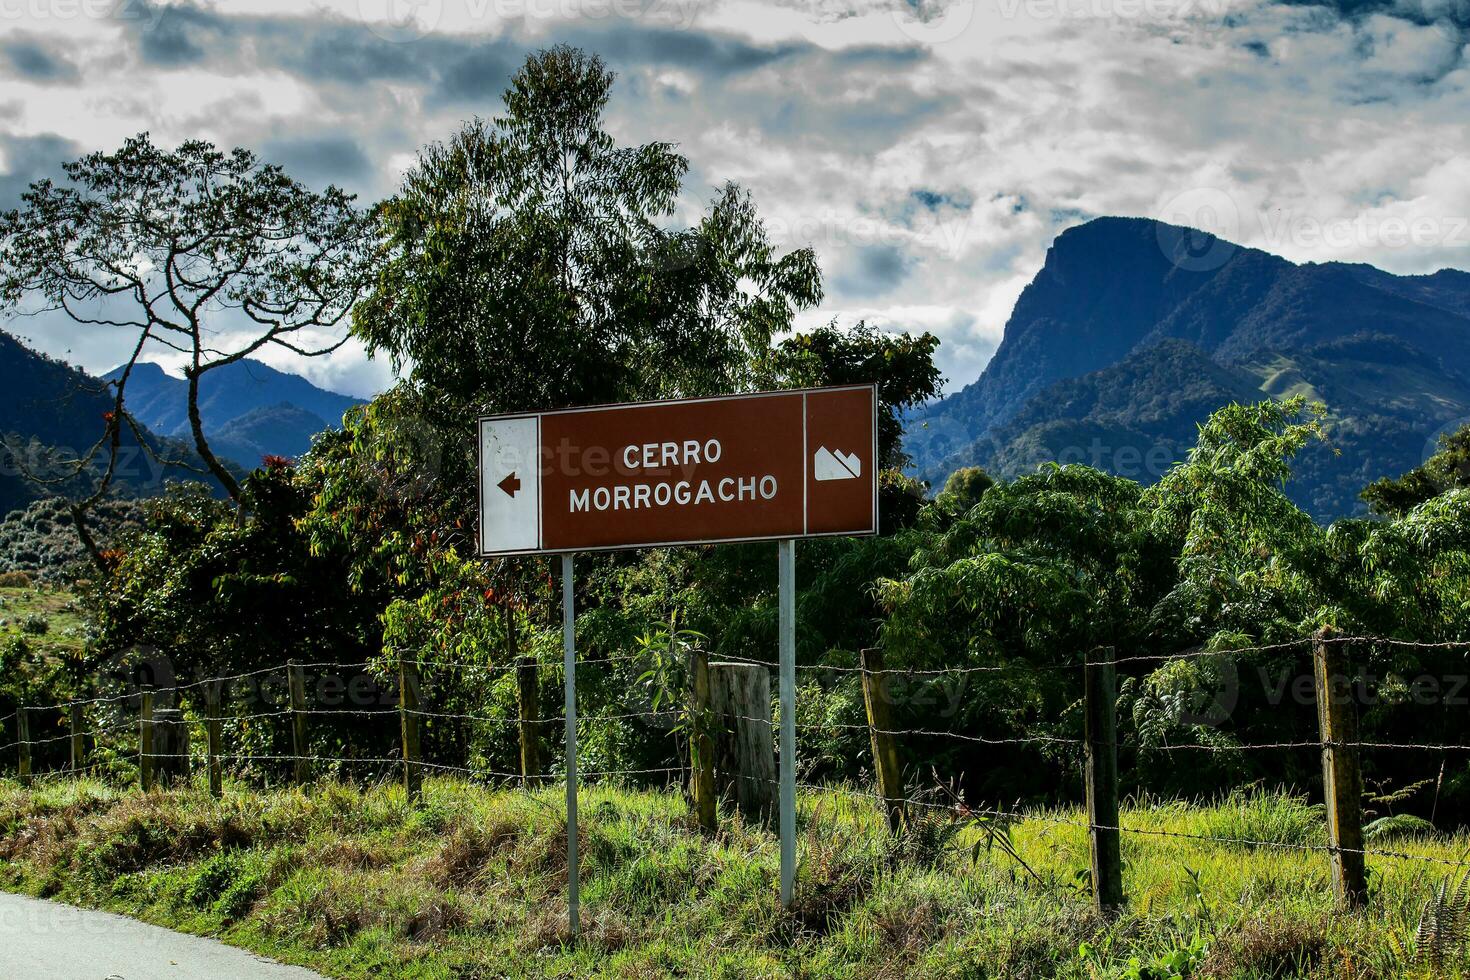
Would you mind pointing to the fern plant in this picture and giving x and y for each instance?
(1440, 936)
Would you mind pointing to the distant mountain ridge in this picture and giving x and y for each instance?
(53, 412)
(1134, 330)
(249, 409)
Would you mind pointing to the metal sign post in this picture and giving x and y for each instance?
(569, 648)
(786, 561)
(767, 466)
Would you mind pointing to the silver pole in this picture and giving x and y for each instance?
(569, 646)
(786, 559)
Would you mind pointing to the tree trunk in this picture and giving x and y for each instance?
(201, 444)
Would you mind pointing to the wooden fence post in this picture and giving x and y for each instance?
(528, 706)
(886, 766)
(171, 766)
(702, 743)
(76, 724)
(212, 694)
(145, 738)
(299, 744)
(745, 745)
(528, 697)
(23, 745)
(1342, 780)
(408, 708)
(1101, 702)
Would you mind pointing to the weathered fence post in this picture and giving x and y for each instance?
(1342, 780)
(880, 727)
(745, 749)
(299, 744)
(76, 725)
(212, 695)
(1100, 702)
(145, 738)
(528, 698)
(408, 709)
(702, 743)
(170, 747)
(23, 745)
(528, 706)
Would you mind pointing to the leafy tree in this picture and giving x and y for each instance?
(900, 364)
(531, 262)
(963, 490)
(526, 263)
(1252, 565)
(1447, 469)
(1042, 568)
(212, 255)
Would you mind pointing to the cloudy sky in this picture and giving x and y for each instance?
(929, 153)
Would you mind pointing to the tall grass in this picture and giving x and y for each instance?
(356, 883)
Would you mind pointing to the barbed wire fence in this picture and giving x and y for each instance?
(723, 752)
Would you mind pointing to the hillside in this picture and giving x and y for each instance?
(249, 409)
(53, 412)
(1123, 342)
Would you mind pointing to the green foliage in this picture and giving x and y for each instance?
(1047, 565)
(1396, 826)
(526, 262)
(1447, 469)
(1444, 925)
(354, 883)
(1249, 559)
(41, 541)
(1270, 818)
(171, 240)
(901, 365)
(43, 636)
(962, 490)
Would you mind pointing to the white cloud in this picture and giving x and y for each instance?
(930, 160)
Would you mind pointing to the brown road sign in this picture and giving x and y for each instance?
(779, 464)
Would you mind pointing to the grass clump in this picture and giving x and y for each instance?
(354, 882)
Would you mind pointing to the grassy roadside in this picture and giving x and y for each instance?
(355, 884)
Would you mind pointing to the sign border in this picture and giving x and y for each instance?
(480, 421)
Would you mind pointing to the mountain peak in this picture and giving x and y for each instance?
(231, 400)
(1115, 286)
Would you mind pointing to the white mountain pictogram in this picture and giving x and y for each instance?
(830, 464)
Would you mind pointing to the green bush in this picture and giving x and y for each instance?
(1252, 815)
(227, 883)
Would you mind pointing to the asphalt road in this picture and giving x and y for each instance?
(46, 941)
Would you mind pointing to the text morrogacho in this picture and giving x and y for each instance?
(780, 464)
